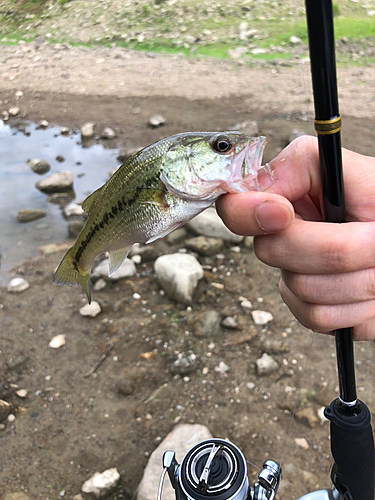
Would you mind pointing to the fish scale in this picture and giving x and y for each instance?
(157, 190)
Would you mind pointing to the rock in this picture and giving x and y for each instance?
(22, 393)
(148, 253)
(73, 210)
(126, 269)
(181, 439)
(204, 245)
(14, 111)
(101, 484)
(230, 322)
(125, 387)
(207, 324)
(18, 285)
(274, 346)
(74, 228)
(294, 134)
(126, 153)
(176, 236)
(60, 198)
(156, 121)
(91, 310)
(52, 248)
(87, 130)
(261, 317)
(42, 124)
(30, 214)
(294, 40)
(39, 166)
(222, 367)
(178, 274)
(5, 409)
(209, 224)
(307, 415)
(56, 183)
(237, 53)
(57, 341)
(108, 133)
(60, 158)
(18, 495)
(64, 131)
(99, 285)
(302, 443)
(266, 365)
(184, 364)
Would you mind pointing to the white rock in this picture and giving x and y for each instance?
(208, 223)
(222, 367)
(294, 40)
(22, 393)
(11, 418)
(14, 111)
(73, 209)
(91, 310)
(266, 364)
(156, 121)
(57, 341)
(100, 285)
(42, 124)
(178, 274)
(126, 269)
(87, 130)
(180, 440)
(100, 484)
(56, 183)
(17, 285)
(108, 133)
(261, 317)
(246, 304)
(302, 443)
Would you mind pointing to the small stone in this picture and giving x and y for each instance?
(11, 418)
(207, 324)
(99, 285)
(246, 304)
(156, 121)
(125, 387)
(101, 484)
(14, 111)
(19, 94)
(261, 317)
(42, 124)
(222, 367)
(266, 365)
(294, 40)
(91, 310)
(74, 228)
(204, 246)
(126, 270)
(39, 166)
(178, 274)
(60, 198)
(57, 341)
(209, 224)
(64, 131)
(18, 285)
(22, 393)
(5, 409)
(184, 364)
(72, 210)
(302, 443)
(230, 322)
(307, 415)
(87, 130)
(56, 183)
(30, 214)
(271, 346)
(108, 133)
(60, 158)
(52, 248)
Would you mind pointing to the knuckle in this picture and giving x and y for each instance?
(339, 254)
(300, 285)
(320, 318)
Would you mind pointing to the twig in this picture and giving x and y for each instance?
(102, 358)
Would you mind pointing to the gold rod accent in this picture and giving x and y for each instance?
(326, 127)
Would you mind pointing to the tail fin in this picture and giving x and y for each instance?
(69, 273)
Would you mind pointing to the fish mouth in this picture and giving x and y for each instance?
(246, 164)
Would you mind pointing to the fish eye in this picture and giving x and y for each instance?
(222, 144)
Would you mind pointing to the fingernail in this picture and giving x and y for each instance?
(266, 177)
(273, 217)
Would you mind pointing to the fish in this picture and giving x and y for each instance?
(156, 191)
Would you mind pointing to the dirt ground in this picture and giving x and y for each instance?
(69, 426)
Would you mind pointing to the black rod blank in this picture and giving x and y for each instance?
(328, 125)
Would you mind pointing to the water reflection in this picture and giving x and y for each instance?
(90, 165)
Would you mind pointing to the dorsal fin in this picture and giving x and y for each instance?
(86, 205)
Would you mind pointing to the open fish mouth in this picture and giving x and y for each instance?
(246, 164)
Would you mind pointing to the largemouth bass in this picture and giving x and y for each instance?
(156, 191)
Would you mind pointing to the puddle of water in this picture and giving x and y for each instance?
(91, 168)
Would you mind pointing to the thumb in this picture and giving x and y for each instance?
(255, 213)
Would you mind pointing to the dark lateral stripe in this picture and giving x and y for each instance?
(120, 207)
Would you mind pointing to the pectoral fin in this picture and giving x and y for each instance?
(116, 258)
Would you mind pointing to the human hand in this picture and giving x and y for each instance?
(328, 270)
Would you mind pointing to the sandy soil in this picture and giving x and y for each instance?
(69, 426)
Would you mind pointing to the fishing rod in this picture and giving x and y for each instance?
(352, 442)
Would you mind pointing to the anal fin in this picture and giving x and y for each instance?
(116, 258)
